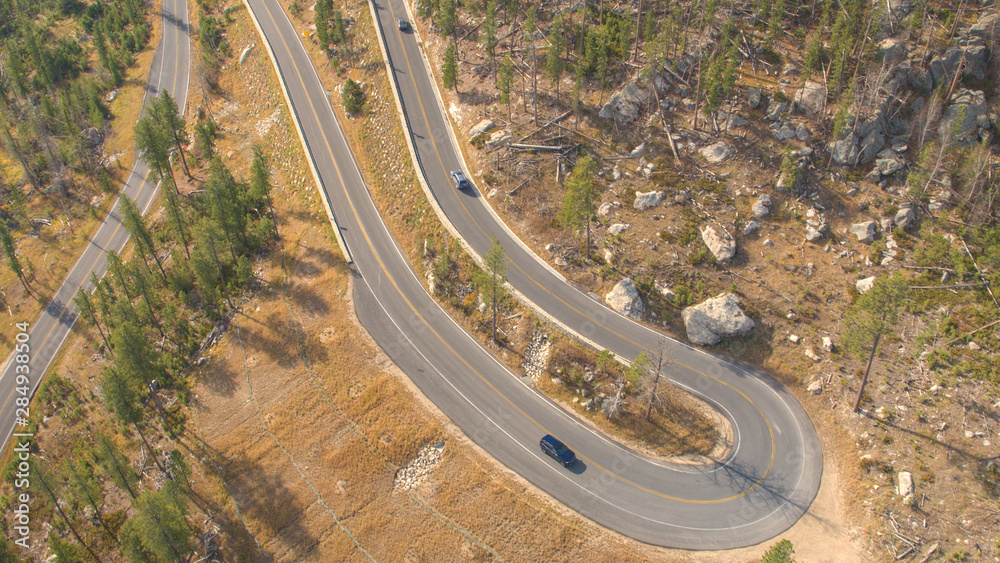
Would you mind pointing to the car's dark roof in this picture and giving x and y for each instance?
(551, 440)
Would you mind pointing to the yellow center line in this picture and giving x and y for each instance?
(549, 292)
(447, 345)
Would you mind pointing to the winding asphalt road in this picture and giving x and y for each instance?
(170, 71)
(760, 490)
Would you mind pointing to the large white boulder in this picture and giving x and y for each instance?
(709, 322)
(865, 284)
(617, 229)
(645, 200)
(722, 245)
(624, 298)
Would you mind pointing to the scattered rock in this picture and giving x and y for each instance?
(246, 53)
(905, 218)
(865, 284)
(665, 291)
(500, 137)
(892, 50)
(768, 243)
(812, 355)
(717, 152)
(638, 151)
(888, 166)
(794, 338)
(719, 317)
(802, 133)
(811, 98)
(785, 132)
(723, 246)
(762, 206)
(845, 151)
(617, 229)
(775, 109)
(536, 358)
(751, 227)
(815, 388)
(988, 26)
(827, 344)
(870, 145)
(606, 208)
(645, 200)
(904, 484)
(624, 298)
(415, 472)
(480, 128)
(754, 99)
(864, 231)
(93, 136)
(814, 234)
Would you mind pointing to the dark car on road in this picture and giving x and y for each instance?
(557, 450)
(459, 180)
(402, 24)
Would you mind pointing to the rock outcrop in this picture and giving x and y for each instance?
(719, 317)
(624, 298)
(966, 114)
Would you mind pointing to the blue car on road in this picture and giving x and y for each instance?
(557, 450)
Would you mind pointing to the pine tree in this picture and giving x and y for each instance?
(260, 184)
(448, 17)
(159, 528)
(175, 217)
(13, 262)
(874, 315)
(581, 197)
(492, 278)
(227, 207)
(154, 144)
(86, 490)
(204, 137)
(136, 224)
(449, 68)
(173, 123)
(116, 466)
(322, 21)
(85, 304)
(49, 487)
(505, 79)
(353, 97)
(488, 38)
